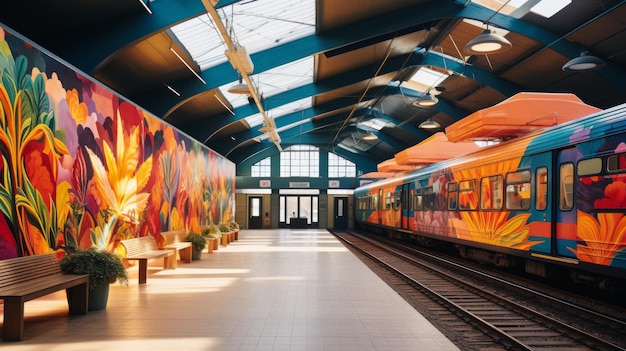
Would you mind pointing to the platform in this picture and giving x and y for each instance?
(270, 290)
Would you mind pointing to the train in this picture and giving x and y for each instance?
(549, 201)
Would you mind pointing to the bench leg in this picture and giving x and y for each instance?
(13, 328)
(78, 298)
(169, 262)
(185, 255)
(143, 271)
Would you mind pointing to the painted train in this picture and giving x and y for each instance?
(549, 201)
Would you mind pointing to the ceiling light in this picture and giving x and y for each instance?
(487, 43)
(145, 6)
(369, 136)
(584, 62)
(430, 124)
(426, 101)
(436, 91)
(239, 88)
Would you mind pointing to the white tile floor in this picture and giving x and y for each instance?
(270, 290)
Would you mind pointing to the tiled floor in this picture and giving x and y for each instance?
(270, 290)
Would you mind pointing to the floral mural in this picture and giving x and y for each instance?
(81, 167)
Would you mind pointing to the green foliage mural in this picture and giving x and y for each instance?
(83, 168)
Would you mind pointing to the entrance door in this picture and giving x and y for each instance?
(255, 209)
(341, 213)
(563, 202)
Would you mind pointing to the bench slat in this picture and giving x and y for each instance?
(175, 240)
(142, 249)
(25, 278)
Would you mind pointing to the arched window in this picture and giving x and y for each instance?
(262, 168)
(340, 167)
(300, 161)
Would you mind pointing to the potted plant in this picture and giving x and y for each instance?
(212, 232)
(226, 233)
(103, 267)
(198, 243)
(234, 226)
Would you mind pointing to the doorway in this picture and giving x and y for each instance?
(255, 209)
(341, 213)
(299, 211)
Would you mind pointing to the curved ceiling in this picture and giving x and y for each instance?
(325, 72)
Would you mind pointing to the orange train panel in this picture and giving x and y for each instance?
(435, 148)
(378, 175)
(391, 165)
(518, 115)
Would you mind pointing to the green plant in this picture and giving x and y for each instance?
(102, 266)
(196, 240)
(211, 231)
(223, 227)
(233, 225)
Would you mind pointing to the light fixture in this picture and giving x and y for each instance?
(187, 65)
(145, 6)
(436, 90)
(239, 88)
(172, 89)
(426, 101)
(369, 136)
(584, 62)
(487, 43)
(429, 124)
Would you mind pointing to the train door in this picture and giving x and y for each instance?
(379, 206)
(406, 204)
(564, 209)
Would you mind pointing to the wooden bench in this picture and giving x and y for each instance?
(143, 249)
(175, 240)
(25, 278)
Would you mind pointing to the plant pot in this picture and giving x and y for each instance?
(196, 253)
(98, 298)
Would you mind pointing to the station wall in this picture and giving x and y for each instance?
(83, 167)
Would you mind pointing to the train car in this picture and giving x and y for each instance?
(551, 200)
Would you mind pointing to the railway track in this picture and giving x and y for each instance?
(488, 312)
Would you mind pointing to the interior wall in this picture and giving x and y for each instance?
(83, 167)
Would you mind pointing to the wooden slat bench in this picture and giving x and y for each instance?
(143, 249)
(175, 240)
(26, 278)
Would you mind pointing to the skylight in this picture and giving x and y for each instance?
(425, 78)
(275, 81)
(549, 8)
(299, 105)
(255, 25)
(375, 124)
(518, 8)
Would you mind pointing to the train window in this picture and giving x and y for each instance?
(418, 202)
(374, 204)
(453, 195)
(491, 193)
(396, 200)
(518, 177)
(388, 200)
(589, 167)
(518, 190)
(566, 187)
(616, 163)
(468, 194)
(541, 191)
(429, 198)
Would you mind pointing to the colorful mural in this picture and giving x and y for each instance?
(81, 167)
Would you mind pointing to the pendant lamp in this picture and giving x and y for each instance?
(487, 43)
(584, 62)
